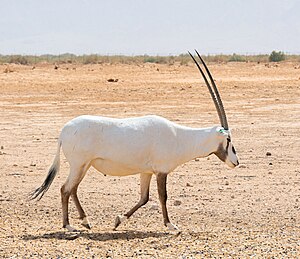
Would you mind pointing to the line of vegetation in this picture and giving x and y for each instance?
(183, 59)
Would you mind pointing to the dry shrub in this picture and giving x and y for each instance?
(8, 69)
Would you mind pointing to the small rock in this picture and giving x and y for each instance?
(226, 183)
(112, 80)
(177, 203)
(189, 185)
(270, 163)
(154, 207)
(268, 154)
(2, 147)
(242, 166)
(8, 70)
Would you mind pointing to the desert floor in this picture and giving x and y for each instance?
(250, 211)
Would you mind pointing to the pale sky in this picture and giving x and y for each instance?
(154, 27)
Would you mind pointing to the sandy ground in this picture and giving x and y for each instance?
(250, 211)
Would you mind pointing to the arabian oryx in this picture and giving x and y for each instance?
(143, 145)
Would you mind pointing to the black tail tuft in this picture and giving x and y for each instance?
(39, 192)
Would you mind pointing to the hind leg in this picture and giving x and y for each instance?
(82, 215)
(70, 188)
(145, 184)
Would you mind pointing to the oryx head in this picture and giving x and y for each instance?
(225, 150)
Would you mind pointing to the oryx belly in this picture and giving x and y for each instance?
(116, 168)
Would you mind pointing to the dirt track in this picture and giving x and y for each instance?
(253, 210)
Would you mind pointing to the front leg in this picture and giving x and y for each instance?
(145, 185)
(162, 193)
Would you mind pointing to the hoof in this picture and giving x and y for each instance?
(117, 222)
(88, 226)
(170, 226)
(119, 219)
(71, 229)
(86, 223)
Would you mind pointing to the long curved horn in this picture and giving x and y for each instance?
(210, 91)
(223, 114)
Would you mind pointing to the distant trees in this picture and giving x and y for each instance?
(276, 56)
(237, 58)
(183, 59)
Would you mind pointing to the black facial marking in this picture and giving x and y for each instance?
(222, 153)
(233, 150)
(228, 141)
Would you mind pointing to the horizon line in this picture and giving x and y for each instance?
(151, 54)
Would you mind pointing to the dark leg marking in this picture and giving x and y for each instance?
(162, 193)
(70, 189)
(65, 195)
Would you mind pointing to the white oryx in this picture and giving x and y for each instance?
(143, 145)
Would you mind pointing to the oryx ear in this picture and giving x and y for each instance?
(222, 132)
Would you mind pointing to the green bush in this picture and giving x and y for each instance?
(276, 56)
(236, 58)
(90, 59)
(18, 59)
(148, 59)
(155, 59)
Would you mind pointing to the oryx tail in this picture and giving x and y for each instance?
(39, 192)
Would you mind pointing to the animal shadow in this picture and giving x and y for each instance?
(101, 236)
